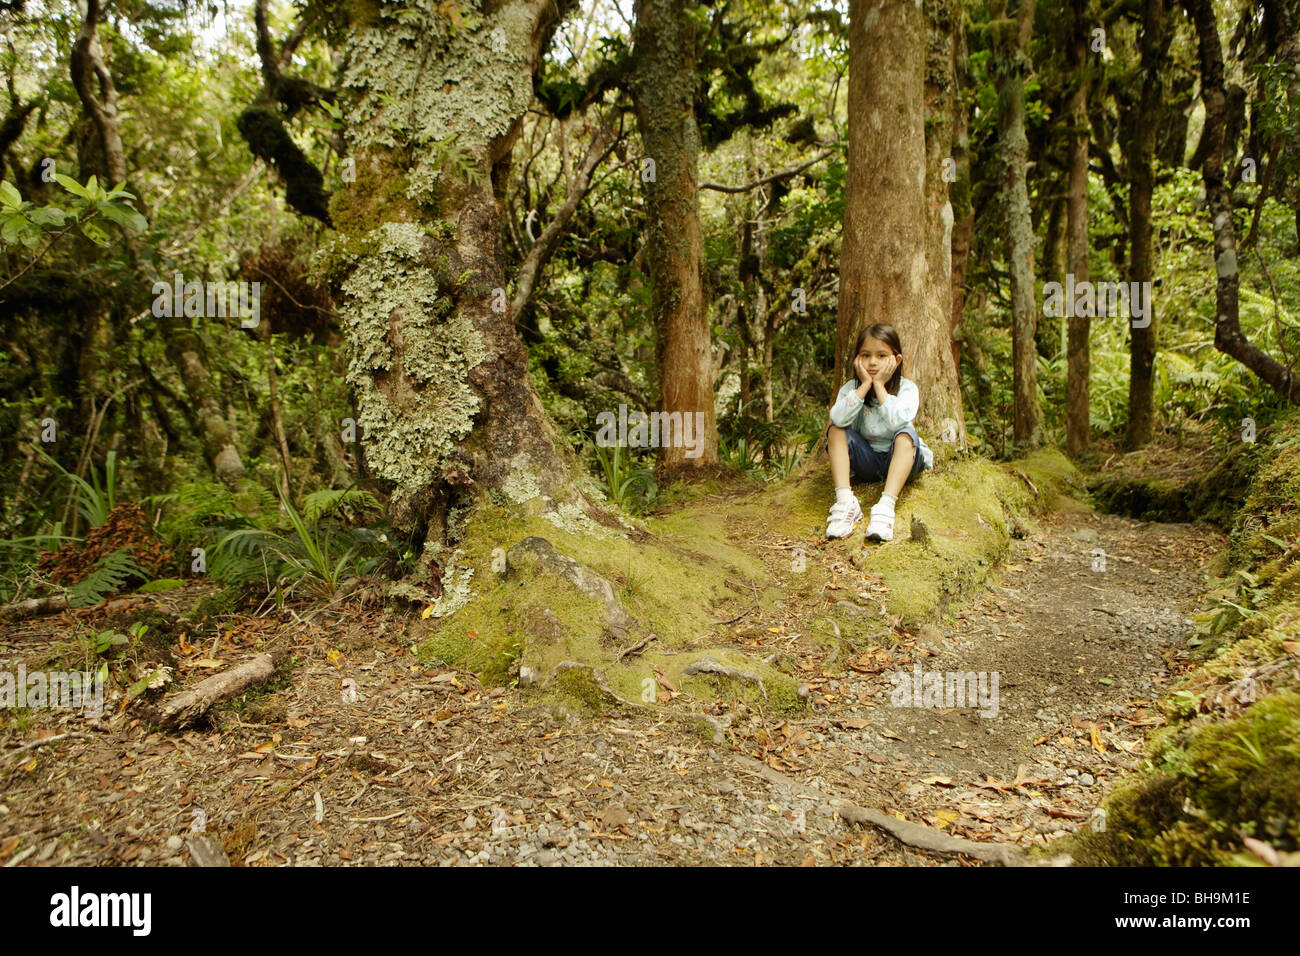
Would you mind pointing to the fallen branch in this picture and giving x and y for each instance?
(49, 740)
(733, 620)
(635, 648)
(186, 707)
(34, 607)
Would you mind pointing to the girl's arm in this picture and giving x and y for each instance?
(848, 404)
(899, 410)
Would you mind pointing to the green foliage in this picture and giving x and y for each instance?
(308, 551)
(90, 208)
(94, 500)
(111, 574)
(627, 483)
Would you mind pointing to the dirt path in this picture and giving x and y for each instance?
(426, 767)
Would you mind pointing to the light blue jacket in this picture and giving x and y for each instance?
(878, 424)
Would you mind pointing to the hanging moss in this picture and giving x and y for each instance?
(304, 187)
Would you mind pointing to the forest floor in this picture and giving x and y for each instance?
(428, 767)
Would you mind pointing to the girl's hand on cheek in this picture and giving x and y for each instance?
(860, 367)
(887, 369)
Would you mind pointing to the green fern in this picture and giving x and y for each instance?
(111, 574)
(349, 502)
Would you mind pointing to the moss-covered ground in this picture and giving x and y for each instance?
(730, 561)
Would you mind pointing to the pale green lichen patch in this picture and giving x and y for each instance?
(408, 359)
(456, 592)
(418, 82)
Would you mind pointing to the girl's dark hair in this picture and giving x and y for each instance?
(882, 332)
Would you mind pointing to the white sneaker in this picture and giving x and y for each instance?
(881, 525)
(843, 518)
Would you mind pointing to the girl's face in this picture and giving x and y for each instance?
(875, 353)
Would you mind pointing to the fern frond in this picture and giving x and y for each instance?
(318, 504)
(110, 576)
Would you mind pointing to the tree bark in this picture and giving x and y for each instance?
(893, 222)
(663, 86)
(88, 69)
(934, 353)
(1142, 181)
(1011, 47)
(962, 194)
(1078, 327)
(437, 368)
(1228, 337)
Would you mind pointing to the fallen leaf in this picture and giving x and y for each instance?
(943, 818)
(1095, 735)
(938, 781)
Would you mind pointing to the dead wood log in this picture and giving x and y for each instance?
(189, 705)
(34, 607)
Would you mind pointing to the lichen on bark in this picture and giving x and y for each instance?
(409, 357)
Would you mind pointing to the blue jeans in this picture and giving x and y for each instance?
(867, 465)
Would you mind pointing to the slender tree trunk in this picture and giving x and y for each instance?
(935, 352)
(185, 350)
(1142, 181)
(1079, 324)
(1011, 46)
(1228, 337)
(886, 257)
(961, 192)
(663, 87)
(277, 418)
(98, 94)
(437, 368)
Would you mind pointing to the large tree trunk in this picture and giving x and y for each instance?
(1142, 181)
(663, 86)
(1228, 337)
(1078, 326)
(438, 370)
(887, 256)
(1011, 47)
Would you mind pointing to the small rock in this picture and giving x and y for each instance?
(920, 533)
(174, 843)
(1072, 772)
(469, 823)
(1086, 779)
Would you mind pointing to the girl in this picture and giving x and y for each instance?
(871, 434)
